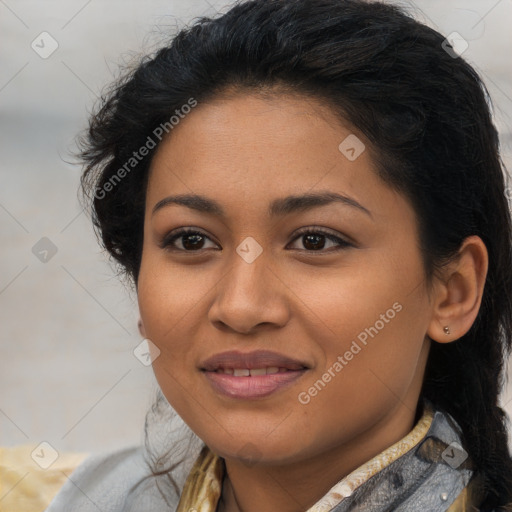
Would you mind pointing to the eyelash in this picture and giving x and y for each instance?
(168, 240)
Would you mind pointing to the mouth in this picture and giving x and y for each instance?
(251, 375)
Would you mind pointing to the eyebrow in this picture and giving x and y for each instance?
(277, 208)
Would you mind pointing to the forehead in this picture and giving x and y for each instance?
(255, 139)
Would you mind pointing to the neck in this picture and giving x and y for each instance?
(296, 487)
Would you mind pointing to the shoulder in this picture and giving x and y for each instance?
(105, 481)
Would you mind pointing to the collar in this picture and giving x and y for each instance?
(417, 471)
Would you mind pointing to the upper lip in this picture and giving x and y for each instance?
(250, 360)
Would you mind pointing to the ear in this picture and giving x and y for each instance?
(459, 293)
(142, 331)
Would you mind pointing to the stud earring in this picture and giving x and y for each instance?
(446, 330)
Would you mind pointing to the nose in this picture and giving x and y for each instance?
(250, 297)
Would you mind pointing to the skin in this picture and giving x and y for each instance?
(244, 151)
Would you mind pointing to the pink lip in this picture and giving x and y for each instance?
(257, 386)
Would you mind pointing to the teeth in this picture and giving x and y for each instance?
(245, 372)
(258, 371)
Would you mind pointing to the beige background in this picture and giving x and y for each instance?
(68, 375)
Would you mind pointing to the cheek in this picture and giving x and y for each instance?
(361, 301)
(165, 303)
(374, 316)
(369, 367)
(167, 294)
(165, 310)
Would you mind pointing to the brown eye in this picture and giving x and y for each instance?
(315, 240)
(191, 240)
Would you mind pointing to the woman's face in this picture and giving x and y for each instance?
(341, 311)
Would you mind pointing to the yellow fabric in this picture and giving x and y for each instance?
(204, 483)
(24, 485)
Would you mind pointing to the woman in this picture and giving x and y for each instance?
(309, 200)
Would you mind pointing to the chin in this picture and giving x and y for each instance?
(254, 451)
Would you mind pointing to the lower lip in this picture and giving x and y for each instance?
(258, 386)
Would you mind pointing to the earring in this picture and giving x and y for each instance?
(446, 330)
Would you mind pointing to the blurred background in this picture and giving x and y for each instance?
(68, 327)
